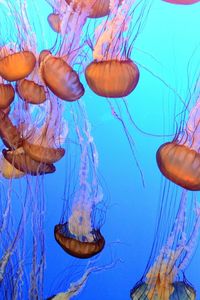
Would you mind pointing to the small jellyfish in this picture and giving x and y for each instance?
(31, 92)
(179, 160)
(55, 22)
(113, 74)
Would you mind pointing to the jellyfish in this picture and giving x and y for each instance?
(16, 65)
(113, 74)
(162, 279)
(57, 70)
(78, 235)
(179, 160)
(183, 2)
(97, 9)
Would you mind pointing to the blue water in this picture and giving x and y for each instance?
(167, 52)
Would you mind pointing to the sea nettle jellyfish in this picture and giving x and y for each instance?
(16, 65)
(78, 235)
(113, 74)
(163, 278)
(183, 2)
(96, 8)
(57, 70)
(179, 160)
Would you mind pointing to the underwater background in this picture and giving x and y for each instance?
(167, 52)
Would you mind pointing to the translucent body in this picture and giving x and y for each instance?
(31, 92)
(61, 79)
(113, 78)
(184, 2)
(99, 8)
(110, 35)
(9, 133)
(180, 164)
(78, 248)
(7, 95)
(181, 291)
(17, 66)
(24, 163)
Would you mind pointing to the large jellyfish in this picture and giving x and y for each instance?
(163, 279)
(113, 74)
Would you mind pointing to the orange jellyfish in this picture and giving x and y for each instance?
(179, 160)
(183, 2)
(31, 92)
(113, 74)
(16, 65)
(79, 236)
(163, 277)
(54, 21)
(97, 8)
(61, 79)
(57, 70)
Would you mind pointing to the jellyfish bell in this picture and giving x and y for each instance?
(181, 290)
(24, 163)
(31, 92)
(183, 2)
(60, 78)
(180, 164)
(77, 248)
(7, 94)
(9, 133)
(97, 9)
(43, 154)
(54, 22)
(112, 78)
(17, 65)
